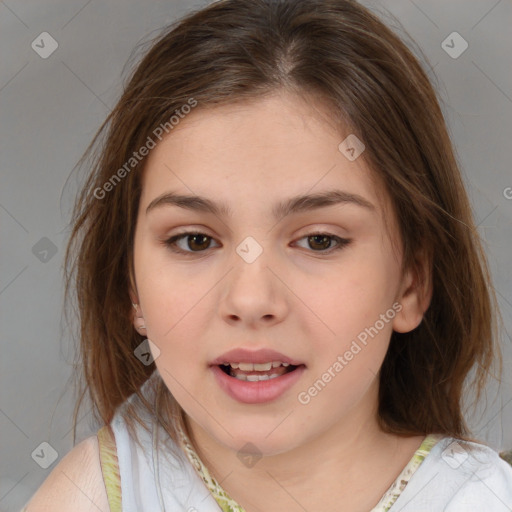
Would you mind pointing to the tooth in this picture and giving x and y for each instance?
(275, 364)
(262, 367)
(285, 364)
(234, 365)
(255, 378)
(246, 367)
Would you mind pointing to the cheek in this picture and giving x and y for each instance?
(175, 319)
(168, 294)
(351, 298)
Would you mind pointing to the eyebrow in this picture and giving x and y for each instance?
(293, 205)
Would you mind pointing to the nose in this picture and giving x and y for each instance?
(254, 294)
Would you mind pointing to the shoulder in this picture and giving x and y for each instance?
(76, 483)
(457, 476)
(488, 478)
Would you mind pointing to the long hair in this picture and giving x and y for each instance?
(339, 52)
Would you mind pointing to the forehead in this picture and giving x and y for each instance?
(260, 151)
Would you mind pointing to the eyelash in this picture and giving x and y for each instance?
(171, 242)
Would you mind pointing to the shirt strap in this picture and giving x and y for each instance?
(223, 499)
(403, 478)
(110, 467)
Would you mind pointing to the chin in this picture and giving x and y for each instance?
(261, 437)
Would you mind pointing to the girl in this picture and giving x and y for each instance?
(281, 288)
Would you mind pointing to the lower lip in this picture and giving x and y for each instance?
(260, 391)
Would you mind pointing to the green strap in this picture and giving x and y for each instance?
(392, 494)
(110, 467)
(223, 499)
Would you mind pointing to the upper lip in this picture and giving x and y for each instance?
(243, 355)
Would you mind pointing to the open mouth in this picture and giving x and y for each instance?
(256, 382)
(254, 372)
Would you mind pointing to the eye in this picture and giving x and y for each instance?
(201, 242)
(323, 240)
(196, 239)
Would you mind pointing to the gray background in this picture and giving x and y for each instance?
(52, 107)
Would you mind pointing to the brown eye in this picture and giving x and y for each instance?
(322, 242)
(194, 242)
(199, 241)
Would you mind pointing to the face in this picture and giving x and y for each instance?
(319, 289)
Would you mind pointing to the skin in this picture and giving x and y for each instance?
(296, 297)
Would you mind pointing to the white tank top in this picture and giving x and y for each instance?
(155, 479)
(444, 475)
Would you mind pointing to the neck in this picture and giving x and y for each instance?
(343, 457)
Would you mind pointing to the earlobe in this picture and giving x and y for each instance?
(137, 317)
(414, 297)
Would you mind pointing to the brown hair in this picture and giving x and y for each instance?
(341, 53)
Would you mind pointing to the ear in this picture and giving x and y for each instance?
(133, 296)
(414, 295)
